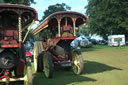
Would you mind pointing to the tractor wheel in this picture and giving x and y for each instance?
(28, 72)
(48, 65)
(38, 56)
(7, 60)
(77, 63)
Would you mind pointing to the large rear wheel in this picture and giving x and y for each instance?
(38, 56)
(77, 63)
(48, 65)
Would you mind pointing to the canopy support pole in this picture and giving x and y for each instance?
(28, 31)
(74, 26)
(20, 29)
(66, 21)
(59, 27)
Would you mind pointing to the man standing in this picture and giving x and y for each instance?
(118, 41)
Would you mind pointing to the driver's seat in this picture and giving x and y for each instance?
(67, 28)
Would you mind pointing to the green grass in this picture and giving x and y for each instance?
(103, 65)
(107, 65)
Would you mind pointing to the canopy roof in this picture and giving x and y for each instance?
(50, 20)
(9, 15)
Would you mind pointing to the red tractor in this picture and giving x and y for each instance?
(53, 49)
(14, 65)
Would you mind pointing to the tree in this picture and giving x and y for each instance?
(22, 2)
(1, 1)
(84, 30)
(55, 8)
(107, 17)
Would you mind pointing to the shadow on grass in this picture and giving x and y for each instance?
(91, 67)
(60, 77)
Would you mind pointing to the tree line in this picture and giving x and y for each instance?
(22, 2)
(105, 17)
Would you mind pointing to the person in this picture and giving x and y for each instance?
(118, 41)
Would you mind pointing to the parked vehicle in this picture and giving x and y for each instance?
(113, 40)
(58, 31)
(94, 42)
(81, 41)
(126, 42)
(102, 42)
(14, 65)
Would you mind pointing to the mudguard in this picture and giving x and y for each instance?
(76, 50)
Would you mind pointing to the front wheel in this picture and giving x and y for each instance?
(28, 72)
(38, 56)
(77, 63)
(48, 65)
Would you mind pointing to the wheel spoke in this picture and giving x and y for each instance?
(78, 66)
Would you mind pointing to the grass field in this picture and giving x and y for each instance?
(103, 65)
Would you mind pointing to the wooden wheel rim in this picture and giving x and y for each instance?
(35, 57)
(46, 66)
(27, 81)
(75, 63)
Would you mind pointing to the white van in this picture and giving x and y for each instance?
(112, 40)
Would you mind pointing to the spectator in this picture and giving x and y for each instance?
(118, 41)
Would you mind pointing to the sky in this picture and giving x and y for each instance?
(76, 5)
